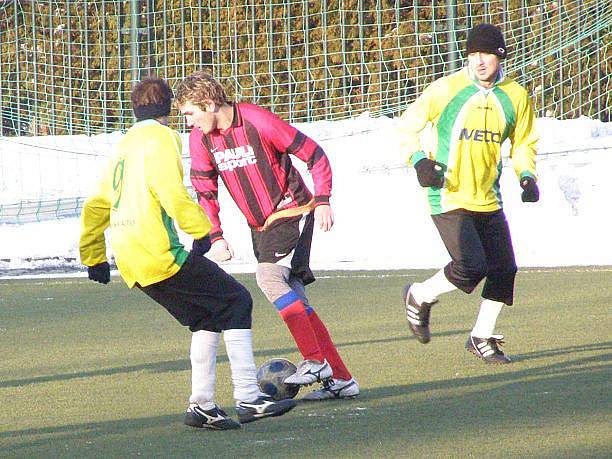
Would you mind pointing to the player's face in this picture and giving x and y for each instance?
(484, 66)
(204, 119)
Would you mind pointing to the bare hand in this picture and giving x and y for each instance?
(221, 251)
(324, 217)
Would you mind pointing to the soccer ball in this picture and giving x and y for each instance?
(271, 375)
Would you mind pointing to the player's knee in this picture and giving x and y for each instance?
(243, 295)
(503, 276)
(508, 275)
(244, 300)
(470, 273)
(289, 305)
(273, 280)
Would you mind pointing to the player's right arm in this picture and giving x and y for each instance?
(164, 174)
(423, 110)
(204, 178)
(412, 122)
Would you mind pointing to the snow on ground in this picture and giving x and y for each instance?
(381, 213)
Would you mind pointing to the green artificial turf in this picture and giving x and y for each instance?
(101, 371)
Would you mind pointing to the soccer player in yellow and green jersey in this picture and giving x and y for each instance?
(473, 111)
(140, 195)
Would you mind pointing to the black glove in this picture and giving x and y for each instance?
(531, 193)
(201, 246)
(99, 273)
(430, 173)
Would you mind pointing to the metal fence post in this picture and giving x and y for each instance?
(451, 25)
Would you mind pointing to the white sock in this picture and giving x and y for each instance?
(203, 356)
(485, 323)
(239, 346)
(429, 290)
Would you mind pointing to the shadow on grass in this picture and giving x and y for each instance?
(546, 353)
(414, 416)
(597, 363)
(184, 365)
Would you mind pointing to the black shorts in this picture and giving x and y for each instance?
(287, 242)
(480, 247)
(202, 296)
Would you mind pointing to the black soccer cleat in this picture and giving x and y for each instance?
(418, 316)
(263, 407)
(487, 349)
(215, 418)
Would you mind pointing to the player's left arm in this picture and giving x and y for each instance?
(290, 140)
(524, 140)
(324, 216)
(164, 172)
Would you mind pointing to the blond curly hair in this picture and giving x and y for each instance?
(198, 87)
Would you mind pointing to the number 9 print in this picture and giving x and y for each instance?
(118, 182)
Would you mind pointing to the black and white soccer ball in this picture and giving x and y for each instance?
(271, 375)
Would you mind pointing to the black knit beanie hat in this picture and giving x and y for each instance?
(486, 38)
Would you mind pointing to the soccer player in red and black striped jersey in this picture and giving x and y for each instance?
(249, 148)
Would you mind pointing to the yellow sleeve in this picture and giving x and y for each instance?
(164, 172)
(95, 218)
(411, 123)
(524, 139)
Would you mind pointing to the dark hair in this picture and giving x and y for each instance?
(151, 98)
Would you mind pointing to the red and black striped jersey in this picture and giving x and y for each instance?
(252, 158)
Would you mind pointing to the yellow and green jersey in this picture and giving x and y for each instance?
(139, 196)
(470, 124)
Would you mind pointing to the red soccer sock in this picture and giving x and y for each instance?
(327, 347)
(293, 312)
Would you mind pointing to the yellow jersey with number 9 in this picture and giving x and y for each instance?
(139, 196)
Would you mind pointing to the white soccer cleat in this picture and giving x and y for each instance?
(334, 389)
(310, 371)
